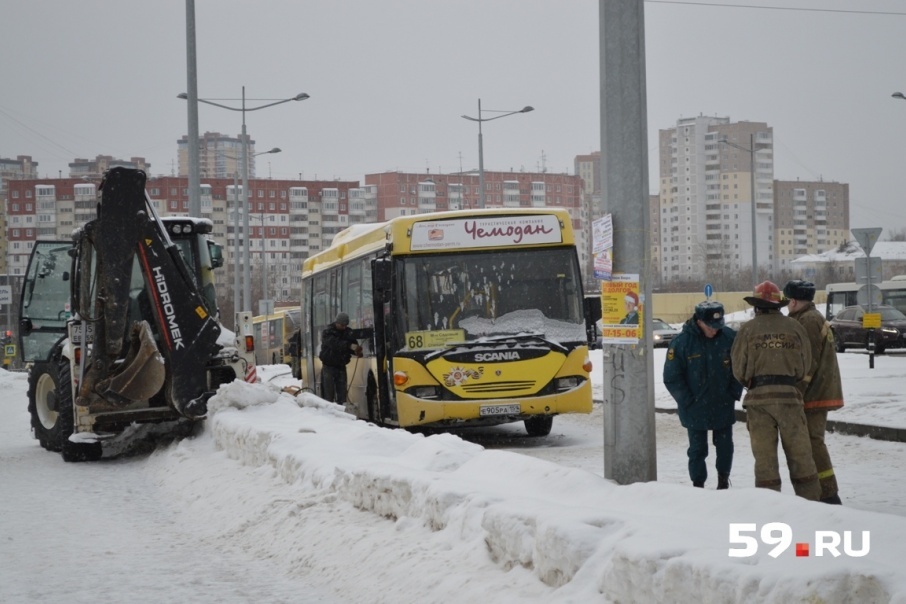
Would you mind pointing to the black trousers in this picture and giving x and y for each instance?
(333, 384)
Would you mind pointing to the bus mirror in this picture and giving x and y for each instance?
(381, 269)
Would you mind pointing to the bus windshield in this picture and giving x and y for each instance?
(458, 297)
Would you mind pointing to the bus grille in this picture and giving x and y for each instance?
(499, 387)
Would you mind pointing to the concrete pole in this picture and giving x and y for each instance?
(481, 198)
(630, 454)
(237, 265)
(192, 106)
(246, 269)
(754, 212)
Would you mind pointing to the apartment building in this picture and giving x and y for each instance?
(95, 168)
(810, 217)
(709, 168)
(288, 219)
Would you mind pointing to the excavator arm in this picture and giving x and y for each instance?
(160, 338)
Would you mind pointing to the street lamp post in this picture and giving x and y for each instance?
(751, 152)
(479, 119)
(247, 276)
(237, 265)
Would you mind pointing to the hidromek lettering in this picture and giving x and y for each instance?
(169, 311)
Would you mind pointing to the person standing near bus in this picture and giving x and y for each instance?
(698, 375)
(822, 388)
(294, 349)
(770, 355)
(337, 347)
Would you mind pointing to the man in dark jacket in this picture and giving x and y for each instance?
(822, 388)
(337, 347)
(698, 375)
(294, 349)
(771, 354)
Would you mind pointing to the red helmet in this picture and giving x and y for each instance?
(766, 295)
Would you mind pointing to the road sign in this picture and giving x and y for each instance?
(6, 294)
(866, 238)
(708, 290)
(871, 320)
(10, 350)
(869, 295)
(868, 270)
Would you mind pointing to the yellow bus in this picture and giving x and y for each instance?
(271, 334)
(466, 318)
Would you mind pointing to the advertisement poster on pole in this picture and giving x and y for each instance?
(602, 246)
(622, 309)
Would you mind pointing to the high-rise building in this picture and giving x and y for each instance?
(809, 218)
(706, 198)
(219, 155)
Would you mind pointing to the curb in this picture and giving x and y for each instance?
(875, 432)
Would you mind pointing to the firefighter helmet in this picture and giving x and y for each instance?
(766, 295)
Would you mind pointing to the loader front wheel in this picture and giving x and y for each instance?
(71, 451)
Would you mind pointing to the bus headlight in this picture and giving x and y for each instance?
(567, 383)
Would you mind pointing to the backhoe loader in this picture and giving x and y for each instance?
(120, 326)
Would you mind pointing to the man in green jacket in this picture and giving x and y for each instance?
(698, 375)
(822, 389)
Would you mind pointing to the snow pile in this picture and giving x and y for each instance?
(577, 534)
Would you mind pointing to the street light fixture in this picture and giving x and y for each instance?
(479, 119)
(899, 95)
(236, 255)
(751, 151)
(247, 275)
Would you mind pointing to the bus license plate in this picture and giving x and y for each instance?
(499, 410)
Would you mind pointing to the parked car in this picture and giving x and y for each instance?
(662, 333)
(849, 333)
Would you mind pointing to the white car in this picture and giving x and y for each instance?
(662, 333)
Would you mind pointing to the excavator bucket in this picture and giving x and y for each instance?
(142, 372)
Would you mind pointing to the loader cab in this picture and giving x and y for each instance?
(201, 254)
(44, 304)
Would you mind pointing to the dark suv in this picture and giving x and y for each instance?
(849, 333)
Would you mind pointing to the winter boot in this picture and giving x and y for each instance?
(698, 483)
(723, 481)
(833, 500)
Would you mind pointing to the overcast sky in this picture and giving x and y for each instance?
(389, 80)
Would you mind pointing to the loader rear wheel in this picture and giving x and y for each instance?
(43, 405)
(50, 403)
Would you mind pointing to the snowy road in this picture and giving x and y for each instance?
(248, 516)
(105, 532)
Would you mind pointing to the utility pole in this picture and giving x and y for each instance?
(630, 454)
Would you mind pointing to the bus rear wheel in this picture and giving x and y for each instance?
(539, 425)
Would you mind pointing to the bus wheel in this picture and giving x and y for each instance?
(540, 425)
(371, 399)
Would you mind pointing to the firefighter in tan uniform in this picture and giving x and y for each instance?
(822, 389)
(770, 355)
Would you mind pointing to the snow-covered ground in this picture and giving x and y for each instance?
(289, 499)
